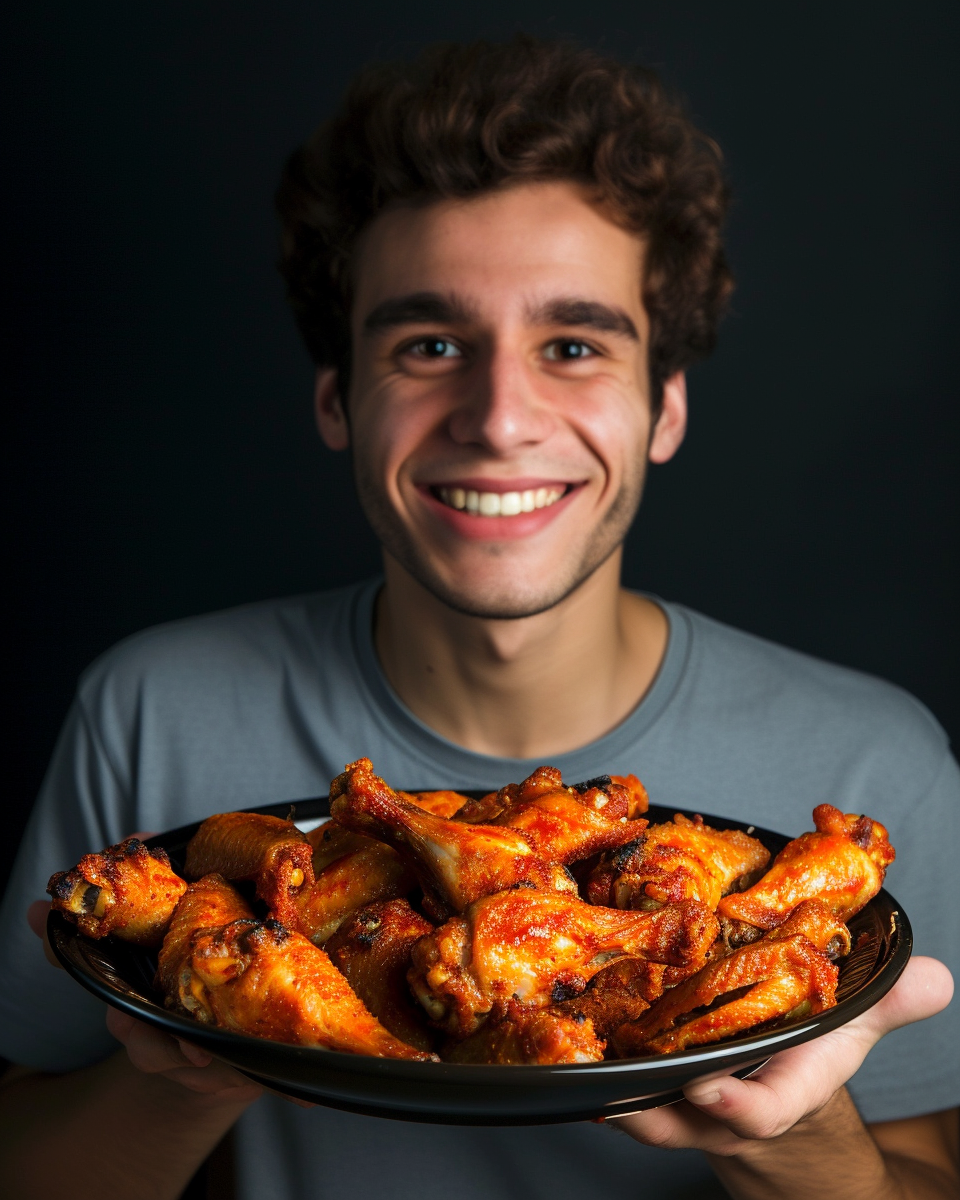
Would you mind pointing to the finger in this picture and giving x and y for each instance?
(149, 1050)
(157, 1053)
(923, 990)
(215, 1082)
(677, 1127)
(37, 914)
(194, 1054)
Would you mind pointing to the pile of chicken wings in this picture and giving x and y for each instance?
(543, 923)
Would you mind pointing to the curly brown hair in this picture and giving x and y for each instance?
(466, 119)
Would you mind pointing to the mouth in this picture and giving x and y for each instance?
(479, 503)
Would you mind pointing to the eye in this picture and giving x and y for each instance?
(433, 348)
(568, 350)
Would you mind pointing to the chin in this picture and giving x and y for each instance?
(507, 595)
(496, 603)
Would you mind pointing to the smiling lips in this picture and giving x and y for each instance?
(499, 504)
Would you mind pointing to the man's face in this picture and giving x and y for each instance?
(500, 400)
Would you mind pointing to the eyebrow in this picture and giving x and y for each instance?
(588, 313)
(428, 307)
(415, 309)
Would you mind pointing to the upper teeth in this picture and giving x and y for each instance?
(500, 504)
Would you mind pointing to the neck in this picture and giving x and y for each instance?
(528, 688)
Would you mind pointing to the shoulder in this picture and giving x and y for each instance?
(763, 674)
(234, 651)
(775, 719)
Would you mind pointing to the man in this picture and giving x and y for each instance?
(502, 259)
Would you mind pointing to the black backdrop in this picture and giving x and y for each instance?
(162, 460)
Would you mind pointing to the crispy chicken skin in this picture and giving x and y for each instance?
(371, 949)
(639, 801)
(771, 979)
(209, 903)
(843, 864)
(352, 870)
(126, 890)
(256, 977)
(523, 1033)
(272, 852)
(679, 860)
(563, 824)
(455, 862)
(620, 992)
(441, 804)
(541, 947)
(816, 922)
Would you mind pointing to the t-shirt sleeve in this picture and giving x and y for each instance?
(47, 1020)
(916, 1069)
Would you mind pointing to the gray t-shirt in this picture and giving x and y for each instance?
(269, 701)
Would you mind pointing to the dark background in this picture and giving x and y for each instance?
(162, 459)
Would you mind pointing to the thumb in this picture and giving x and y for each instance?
(923, 990)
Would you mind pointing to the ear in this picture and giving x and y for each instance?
(672, 423)
(328, 409)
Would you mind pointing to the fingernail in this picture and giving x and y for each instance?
(703, 1095)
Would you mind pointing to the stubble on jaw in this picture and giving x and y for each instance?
(511, 601)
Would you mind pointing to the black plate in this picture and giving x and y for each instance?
(449, 1093)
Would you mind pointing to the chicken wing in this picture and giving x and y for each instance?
(616, 994)
(256, 977)
(679, 860)
(843, 864)
(773, 979)
(126, 890)
(541, 947)
(455, 862)
(563, 824)
(522, 1033)
(352, 870)
(272, 852)
(442, 804)
(371, 949)
(817, 923)
(209, 903)
(639, 801)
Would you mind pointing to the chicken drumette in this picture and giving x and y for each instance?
(209, 903)
(372, 951)
(126, 890)
(257, 977)
(527, 841)
(843, 864)
(455, 862)
(272, 852)
(352, 870)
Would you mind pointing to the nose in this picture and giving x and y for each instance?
(501, 408)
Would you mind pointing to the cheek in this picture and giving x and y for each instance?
(613, 420)
(389, 430)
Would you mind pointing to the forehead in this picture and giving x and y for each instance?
(501, 252)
